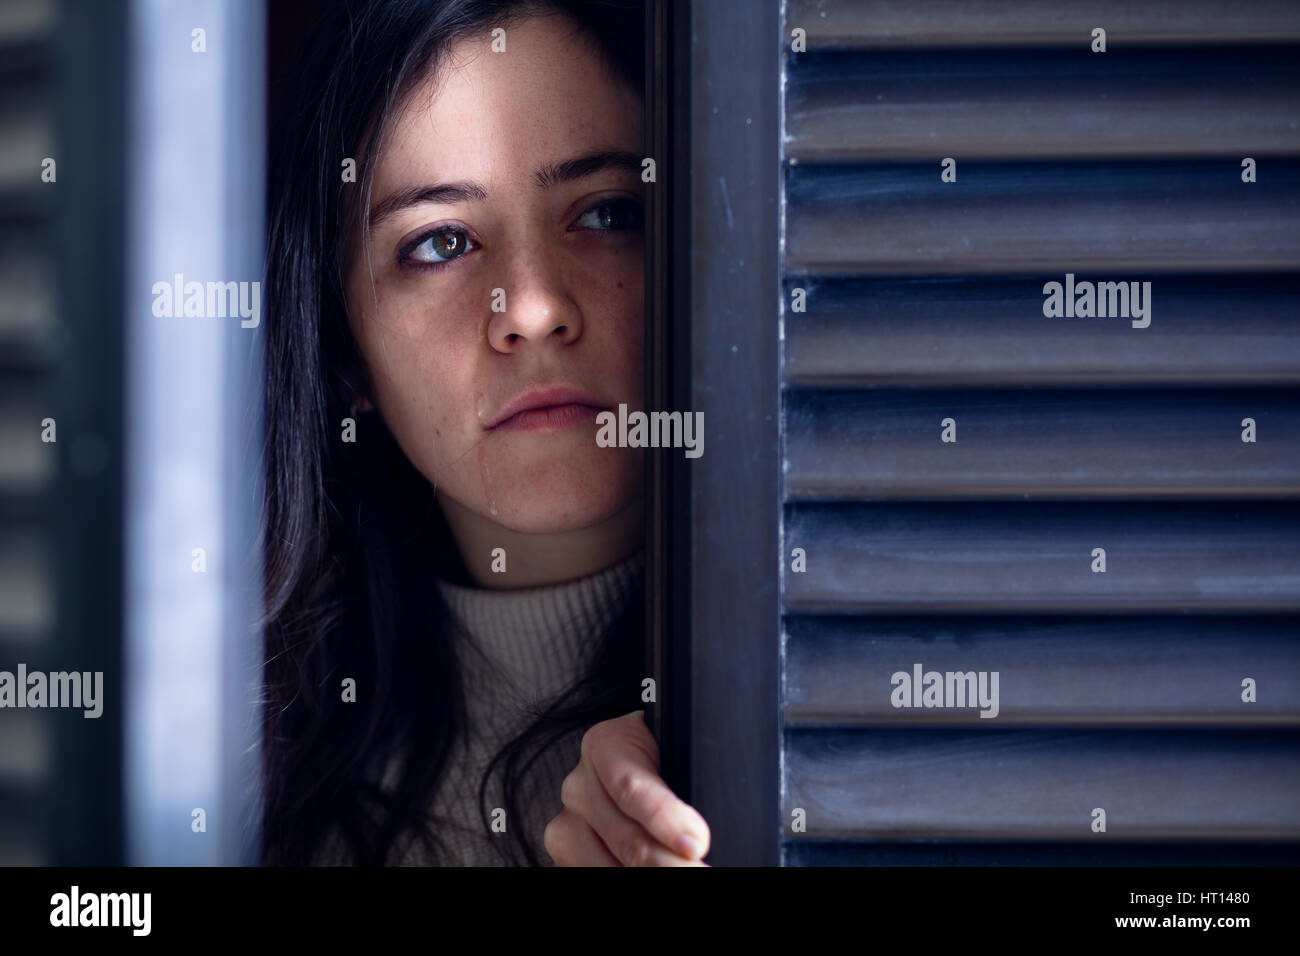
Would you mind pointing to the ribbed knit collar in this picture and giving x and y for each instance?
(541, 638)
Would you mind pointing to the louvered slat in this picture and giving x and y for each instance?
(24, 747)
(1092, 671)
(1040, 785)
(1033, 557)
(1124, 220)
(1042, 105)
(22, 838)
(986, 853)
(1232, 330)
(907, 300)
(1081, 444)
(1014, 23)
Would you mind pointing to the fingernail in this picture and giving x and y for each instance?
(688, 846)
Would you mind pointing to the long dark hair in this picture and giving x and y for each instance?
(353, 535)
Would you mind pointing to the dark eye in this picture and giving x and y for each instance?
(613, 214)
(441, 246)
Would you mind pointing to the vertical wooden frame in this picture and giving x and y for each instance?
(712, 329)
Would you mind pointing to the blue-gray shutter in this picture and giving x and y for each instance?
(62, 96)
(26, 397)
(924, 301)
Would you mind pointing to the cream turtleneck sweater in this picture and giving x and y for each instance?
(519, 649)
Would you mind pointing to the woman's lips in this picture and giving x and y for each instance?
(550, 416)
(557, 406)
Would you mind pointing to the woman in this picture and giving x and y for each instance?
(454, 566)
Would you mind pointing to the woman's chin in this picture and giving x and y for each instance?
(570, 494)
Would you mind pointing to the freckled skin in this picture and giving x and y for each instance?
(444, 363)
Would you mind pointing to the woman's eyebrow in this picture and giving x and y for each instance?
(550, 175)
(553, 174)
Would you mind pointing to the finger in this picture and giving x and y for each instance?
(630, 843)
(625, 759)
(571, 841)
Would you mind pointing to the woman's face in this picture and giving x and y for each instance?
(504, 259)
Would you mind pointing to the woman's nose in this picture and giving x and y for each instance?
(535, 308)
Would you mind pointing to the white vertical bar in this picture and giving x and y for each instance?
(195, 157)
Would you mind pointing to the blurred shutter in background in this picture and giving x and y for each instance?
(27, 395)
(159, 154)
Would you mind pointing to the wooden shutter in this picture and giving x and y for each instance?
(923, 301)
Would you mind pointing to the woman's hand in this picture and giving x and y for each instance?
(617, 809)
